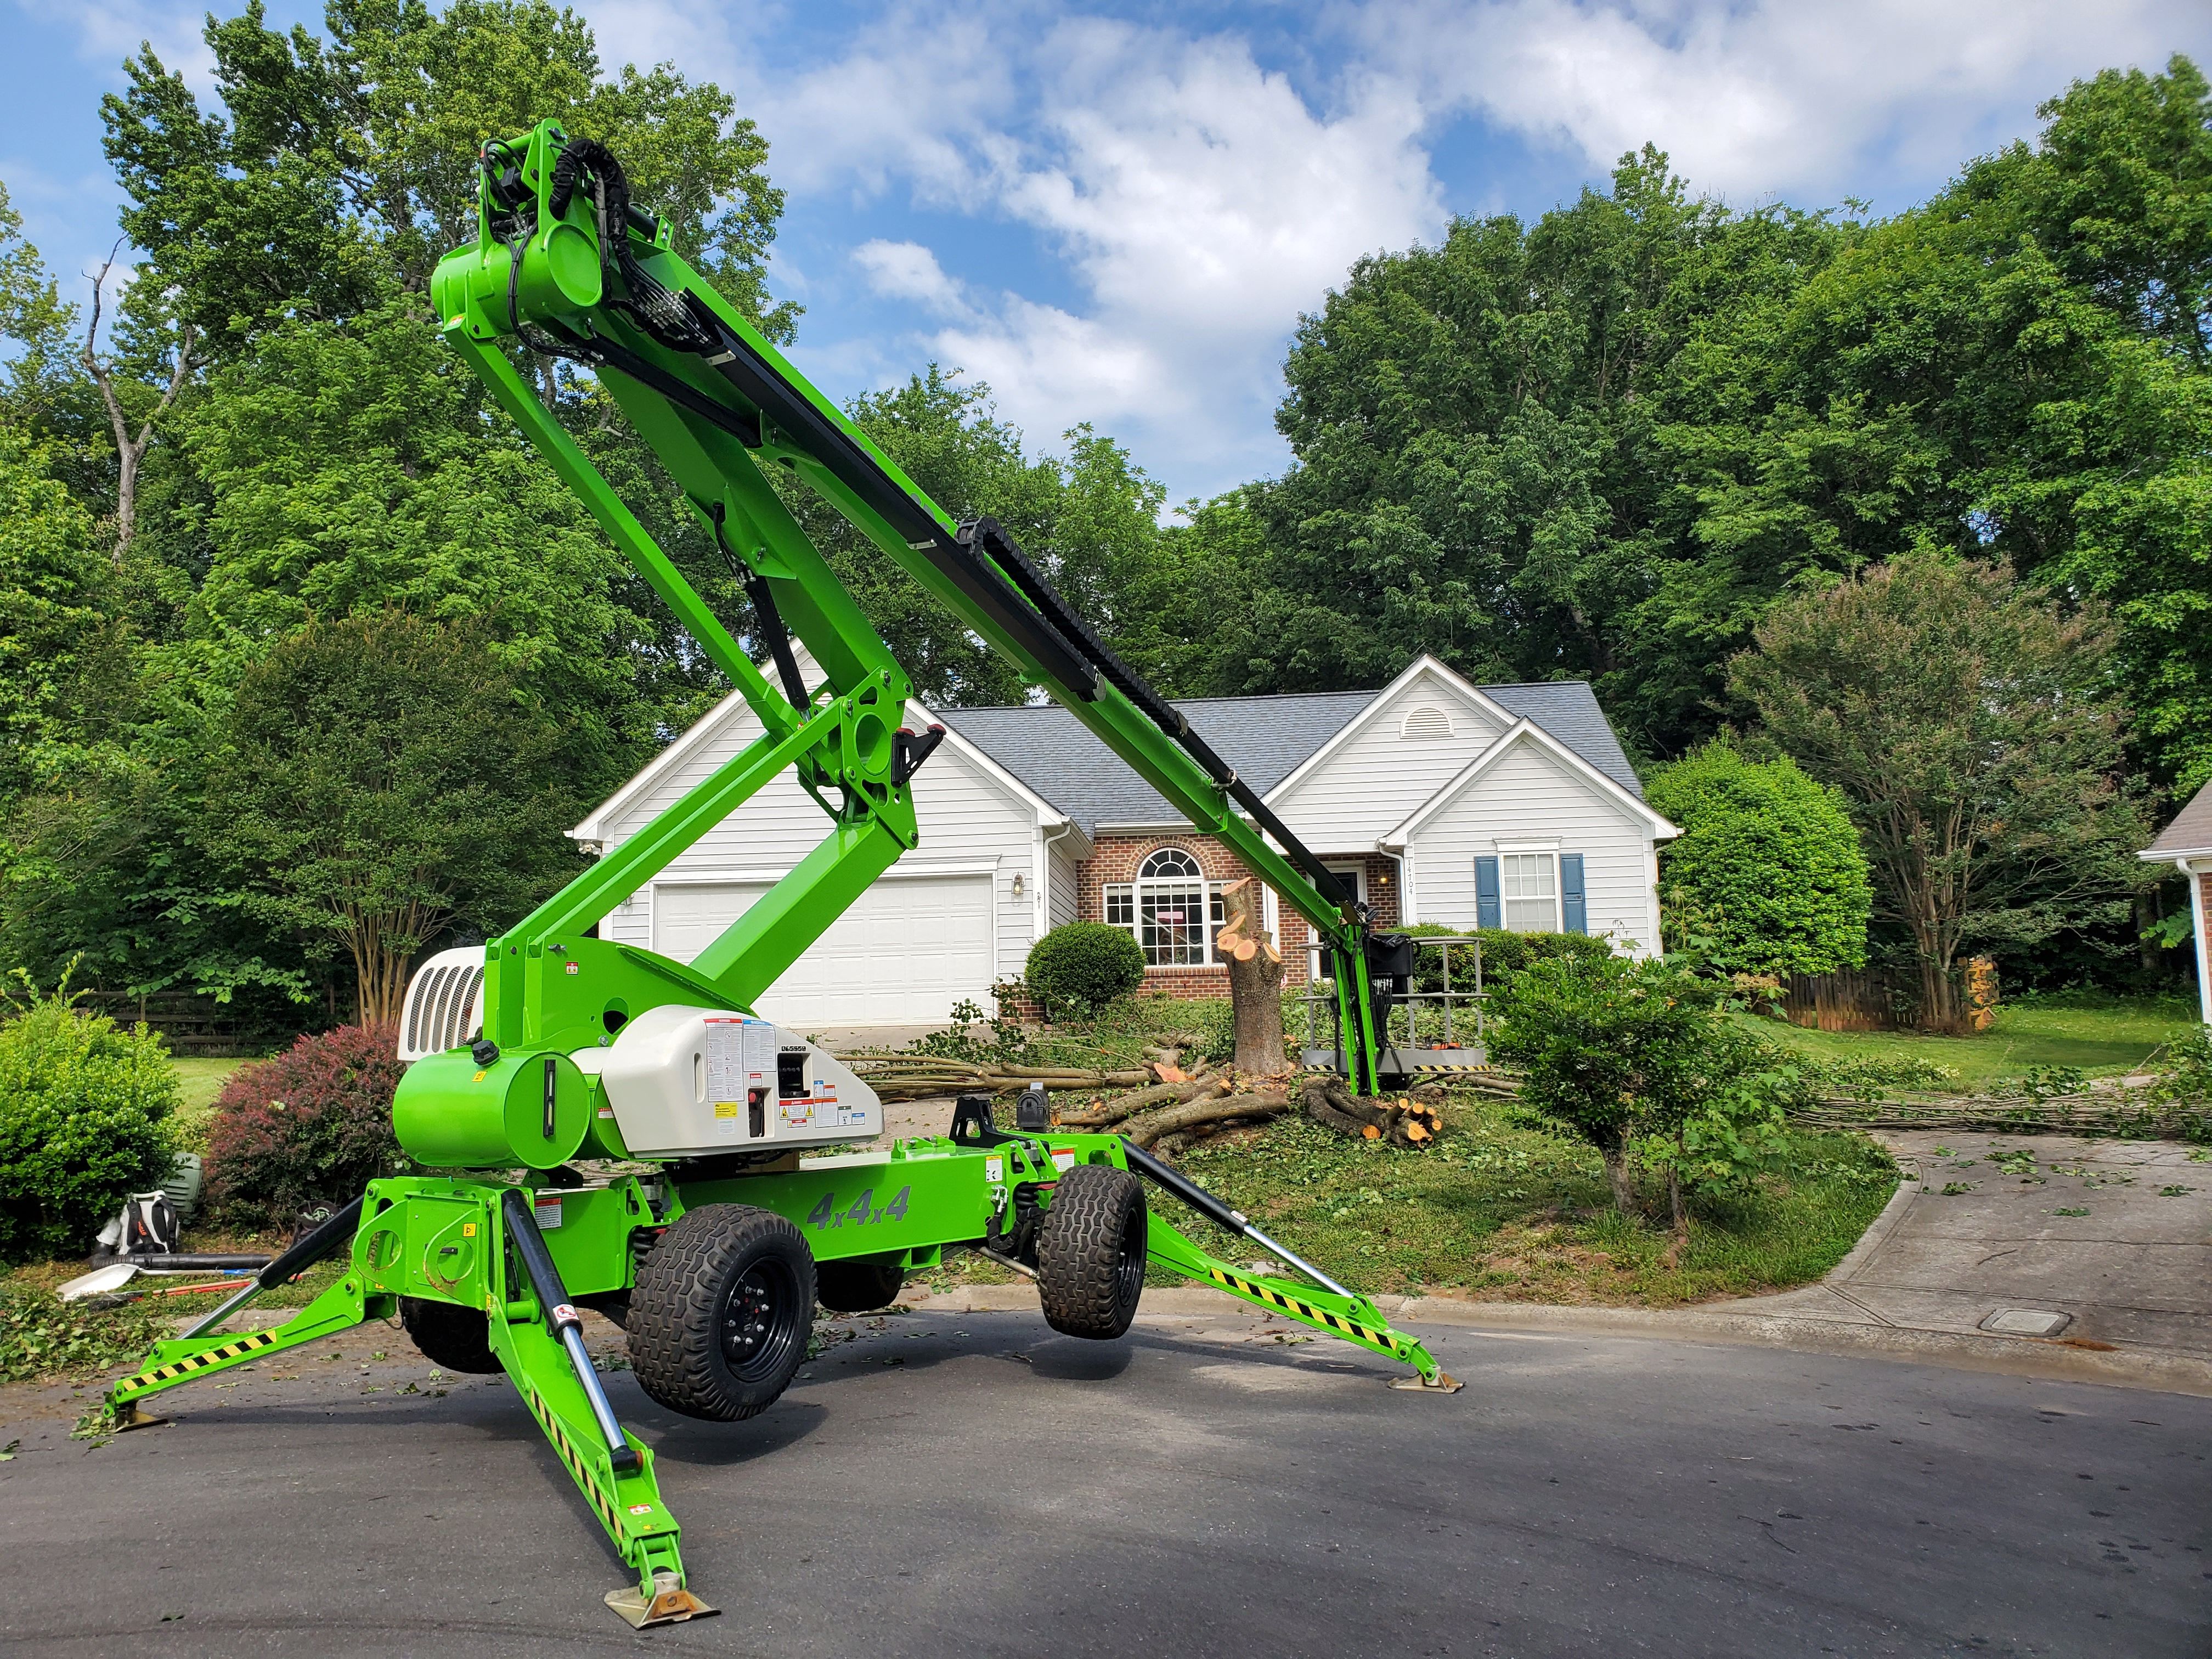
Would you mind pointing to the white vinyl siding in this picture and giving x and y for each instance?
(1527, 794)
(1375, 778)
(1067, 885)
(968, 819)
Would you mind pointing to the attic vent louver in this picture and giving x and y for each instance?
(1425, 725)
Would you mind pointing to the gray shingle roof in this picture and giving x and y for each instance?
(1568, 710)
(1265, 738)
(1044, 746)
(2191, 830)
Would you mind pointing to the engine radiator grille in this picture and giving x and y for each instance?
(445, 1004)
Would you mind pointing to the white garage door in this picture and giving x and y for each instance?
(912, 947)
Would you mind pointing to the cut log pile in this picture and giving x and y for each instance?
(1182, 1108)
(1406, 1120)
(1166, 1108)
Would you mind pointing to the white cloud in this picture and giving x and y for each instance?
(109, 31)
(1198, 202)
(1751, 101)
(908, 271)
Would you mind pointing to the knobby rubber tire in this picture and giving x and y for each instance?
(452, 1338)
(860, 1286)
(685, 1294)
(1090, 1252)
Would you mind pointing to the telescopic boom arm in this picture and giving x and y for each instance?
(566, 264)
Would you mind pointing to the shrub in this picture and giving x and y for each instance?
(1638, 1056)
(313, 1125)
(2185, 1069)
(1079, 966)
(1767, 876)
(84, 1109)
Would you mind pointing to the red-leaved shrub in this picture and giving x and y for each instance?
(312, 1124)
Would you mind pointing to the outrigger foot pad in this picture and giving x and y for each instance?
(670, 1604)
(1441, 1383)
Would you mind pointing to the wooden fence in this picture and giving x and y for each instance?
(199, 1026)
(1869, 1000)
(1861, 999)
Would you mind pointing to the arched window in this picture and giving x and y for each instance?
(1170, 909)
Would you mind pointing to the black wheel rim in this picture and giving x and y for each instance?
(1129, 1272)
(757, 1325)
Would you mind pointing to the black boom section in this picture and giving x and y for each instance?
(990, 536)
(795, 416)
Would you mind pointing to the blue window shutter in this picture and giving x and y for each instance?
(1574, 908)
(1485, 893)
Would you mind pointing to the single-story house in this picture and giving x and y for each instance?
(1439, 801)
(2186, 843)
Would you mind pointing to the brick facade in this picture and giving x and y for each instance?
(1117, 856)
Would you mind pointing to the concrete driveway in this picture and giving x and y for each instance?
(968, 1483)
(2104, 1244)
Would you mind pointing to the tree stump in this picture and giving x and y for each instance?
(1255, 980)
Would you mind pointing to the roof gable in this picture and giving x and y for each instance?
(1061, 759)
(1042, 753)
(1525, 730)
(722, 732)
(1425, 673)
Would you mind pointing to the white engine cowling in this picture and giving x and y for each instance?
(688, 1082)
(445, 1003)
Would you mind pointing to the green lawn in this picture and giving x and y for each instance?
(2092, 1032)
(1500, 1211)
(198, 1082)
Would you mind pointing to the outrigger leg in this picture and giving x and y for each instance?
(1330, 1307)
(452, 1242)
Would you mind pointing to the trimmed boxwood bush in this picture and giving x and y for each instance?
(1079, 966)
(84, 1111)
(313, 1125)
(1767, 876)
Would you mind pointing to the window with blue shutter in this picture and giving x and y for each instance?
(1574, 908)
(1485, 893)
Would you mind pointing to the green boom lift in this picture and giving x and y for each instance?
(590, 1049)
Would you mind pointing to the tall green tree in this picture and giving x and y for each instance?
(379, 782)
(337, 168)
(1090, 518)
(1968, 725)
(1480, 430)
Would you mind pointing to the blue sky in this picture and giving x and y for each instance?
(1114, 213)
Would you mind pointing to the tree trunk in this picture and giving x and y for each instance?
(1939, 1006)
(1617, 1175)
(1256, 981)
(129, 451)
(1681, 1242)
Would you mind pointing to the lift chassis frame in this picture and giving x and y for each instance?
(465, 1243)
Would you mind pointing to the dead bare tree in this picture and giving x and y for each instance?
(129, 451)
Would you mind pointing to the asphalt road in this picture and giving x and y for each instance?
(973, 1485)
